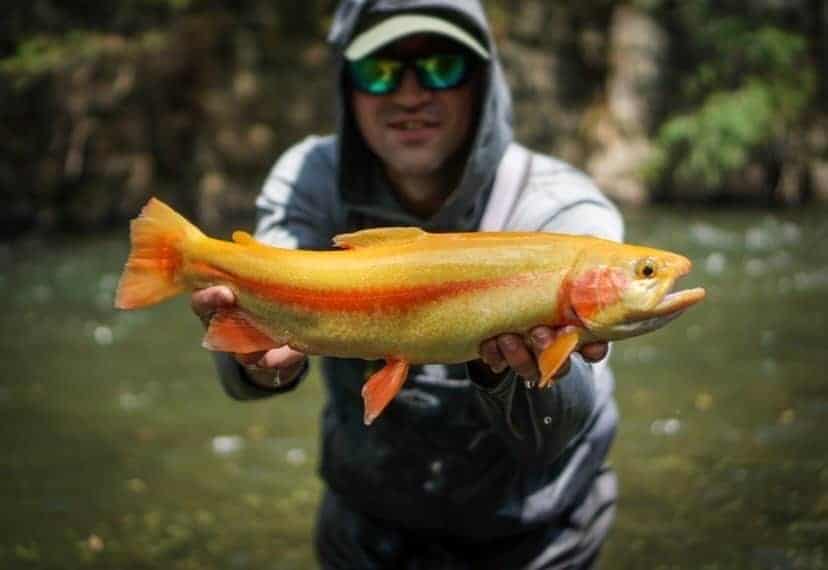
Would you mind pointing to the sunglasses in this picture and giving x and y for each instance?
(383, 75)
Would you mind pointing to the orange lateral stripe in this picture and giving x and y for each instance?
(354, 299)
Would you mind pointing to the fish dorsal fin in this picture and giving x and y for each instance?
(244, 238)
(378, 236)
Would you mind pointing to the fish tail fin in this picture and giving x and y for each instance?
(152, 272)
(382, 386)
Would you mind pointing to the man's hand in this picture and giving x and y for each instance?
(274, 367)
(511, 351)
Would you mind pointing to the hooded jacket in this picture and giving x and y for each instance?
(447, 455)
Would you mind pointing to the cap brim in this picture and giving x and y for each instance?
(397, 27)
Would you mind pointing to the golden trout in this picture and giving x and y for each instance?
(406, 295)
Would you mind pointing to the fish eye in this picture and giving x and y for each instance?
(646, 268)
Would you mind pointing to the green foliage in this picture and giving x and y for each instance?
(43, 54)
(750, 83)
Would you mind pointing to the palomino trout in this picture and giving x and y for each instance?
(405, 295)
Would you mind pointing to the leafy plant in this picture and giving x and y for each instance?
(751, 84)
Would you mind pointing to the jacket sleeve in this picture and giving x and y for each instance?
(293, 211)
(545, 423)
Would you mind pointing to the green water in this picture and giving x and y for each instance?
(119, 450)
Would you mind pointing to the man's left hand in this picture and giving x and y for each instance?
(512, 351)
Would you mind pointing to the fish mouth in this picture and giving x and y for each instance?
(678, 301)
(671, 306)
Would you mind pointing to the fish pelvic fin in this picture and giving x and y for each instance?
(231, 330)
(382, 386)
(153, 270)
(555, 355)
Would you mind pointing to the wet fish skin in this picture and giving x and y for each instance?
(405, 295)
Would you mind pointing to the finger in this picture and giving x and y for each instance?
(491, 356)
(541, 338)
(282, 357)
(518, 356)
(205, 302)
(594, 351)
(275, 367)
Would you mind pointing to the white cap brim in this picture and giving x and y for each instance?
(397, 27)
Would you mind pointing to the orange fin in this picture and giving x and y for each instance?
(378, 236)
(555, 355)
(242, 237)
(231, 331)
(152, 273)
(382, 386)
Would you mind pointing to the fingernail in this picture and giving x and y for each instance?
(540, 338)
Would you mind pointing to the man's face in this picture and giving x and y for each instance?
(414, 131)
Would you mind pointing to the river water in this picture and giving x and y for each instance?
(119, 449)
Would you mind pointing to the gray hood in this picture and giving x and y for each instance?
(362, 185)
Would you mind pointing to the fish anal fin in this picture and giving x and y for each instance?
(382, 386)
(555, 355)
(232, 331)
(378, 236)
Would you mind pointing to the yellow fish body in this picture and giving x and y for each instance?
(405, 295)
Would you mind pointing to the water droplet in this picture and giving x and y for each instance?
(41, 293)
(225, 444)
(103, 335)
(787, 417)
(136, 485)
(95, 543)
(694, 332)
(754, 267)
(715, 263)
(704, 401)
(667, 426)
(130, 401)
(757, 238)
(296, 456)
(547, 420)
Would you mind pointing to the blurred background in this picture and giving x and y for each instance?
(707, 122)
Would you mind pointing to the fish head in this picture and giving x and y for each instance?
(617, 291)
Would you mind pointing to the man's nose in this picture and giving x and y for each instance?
(410, 92)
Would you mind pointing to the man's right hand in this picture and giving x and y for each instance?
(270, 368)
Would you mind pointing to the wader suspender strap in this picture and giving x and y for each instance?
(510, 179)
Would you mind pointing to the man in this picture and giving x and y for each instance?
(468, 467)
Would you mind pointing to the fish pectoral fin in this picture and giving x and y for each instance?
(555, 355)
(378, 236)
(232, 331)
(382, 386)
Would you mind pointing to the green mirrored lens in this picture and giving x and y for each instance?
(442, 71)
(374, 75)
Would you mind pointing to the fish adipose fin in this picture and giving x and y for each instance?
(378, 236)
(555, 355)
(231, 331)
(382, 386)
(152, 272)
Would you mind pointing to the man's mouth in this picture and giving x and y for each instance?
(413, 125)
